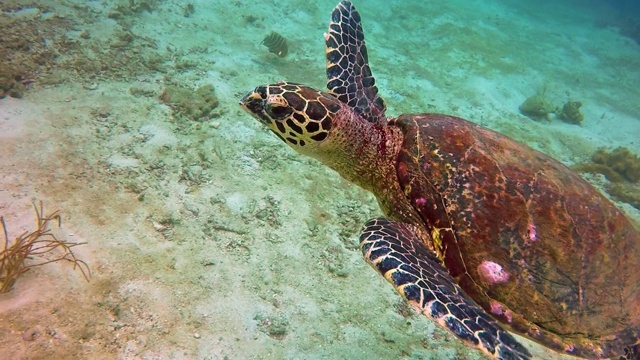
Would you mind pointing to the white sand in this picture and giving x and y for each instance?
(221, 243)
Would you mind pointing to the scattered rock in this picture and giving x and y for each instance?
(537, 107)
(31, 334)
(571, 113)
(90, 86)
(274, 326)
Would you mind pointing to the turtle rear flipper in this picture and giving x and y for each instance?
(396, 251)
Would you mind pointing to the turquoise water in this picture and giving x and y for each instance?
(206, 236)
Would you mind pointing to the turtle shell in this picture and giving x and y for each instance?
(533, 243)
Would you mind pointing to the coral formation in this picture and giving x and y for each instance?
(571, 112)
(537, 107)
(38, 242)
(195, 105)
(276, 44)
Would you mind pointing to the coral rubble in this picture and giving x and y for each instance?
(10, 86)
(195, 105)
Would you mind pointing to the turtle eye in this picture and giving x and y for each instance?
(278, 111)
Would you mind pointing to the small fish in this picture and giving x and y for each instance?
(276, 44)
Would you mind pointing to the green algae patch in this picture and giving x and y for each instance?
(198, 105)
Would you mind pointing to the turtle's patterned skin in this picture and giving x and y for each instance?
(478, 227)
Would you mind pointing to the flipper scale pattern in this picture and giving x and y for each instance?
(395, 250)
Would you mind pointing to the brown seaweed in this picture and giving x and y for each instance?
(622, 168)
(621, 160)
(38, 242)
(276, 44)
(625, 192)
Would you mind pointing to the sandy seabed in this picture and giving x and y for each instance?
(208, 238)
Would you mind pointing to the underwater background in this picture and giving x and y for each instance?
(207, 238)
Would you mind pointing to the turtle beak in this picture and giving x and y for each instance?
(252, 102)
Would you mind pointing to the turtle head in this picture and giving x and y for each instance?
(319, 125)
(299, 115)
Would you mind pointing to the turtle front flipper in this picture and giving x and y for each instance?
(349, 77)
(397, 252)
(631, 353)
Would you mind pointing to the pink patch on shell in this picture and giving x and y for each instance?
(509, 315)
(421, 202)
(533, 235)
(498, 310)
(492, 273)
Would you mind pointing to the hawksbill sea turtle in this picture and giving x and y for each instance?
(481, 234)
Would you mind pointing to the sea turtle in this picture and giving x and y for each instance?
(481, 233)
